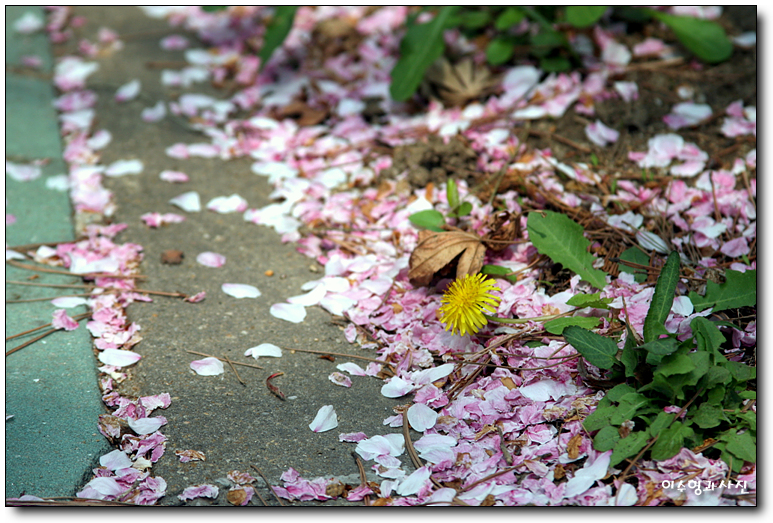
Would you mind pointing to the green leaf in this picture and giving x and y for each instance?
(628, 447)
(499, 50)
(584, 15)
(508, 18)
(661, 346)
(743, 446)
(558, 325)
(704, 38)
(589, 300)
(554, 64)
(670, 441)
(716, 375)
(420, 47)
(675, 364)
(629, 404)
(635, 255)
(739, 290)
(618, 391)
(213, 8)
(428, 219)
(464, 209)
(751, 419)
(662, 299)
(740, 371)
(606, 438)
(276, 31)
(708, 338)
(452, 194)
(496, 270)
(660, 422)
(561, 239)
(476, 19)
(599, 418)
(596, 349)
(708, 415)
(545, 41)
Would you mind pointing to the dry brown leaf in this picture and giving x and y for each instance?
(459, 83)
(504, 227)
(435, 250)
(237, 496)
(573, 447)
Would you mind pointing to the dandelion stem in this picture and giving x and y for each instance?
(524, 320)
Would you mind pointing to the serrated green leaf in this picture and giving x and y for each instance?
(599, 418)
(662, 299)
(561, 239)
(661, 421)
(508, 18)
(661, 346)
(499, 50)
(558, 325)
(428, 219)
(750, 417)
(596, 349)
(628, 447)
(743, 446)
(708, 415)
(421, 46)
(634, 255)
(606, 438)
(276, 31)
(584, 15)
(704, 38)
(670, 441)
(739, 290)
(675, 364)
(589, 300)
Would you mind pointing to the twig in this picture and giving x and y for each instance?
(564, 140)
(231, 364)
(54, 285)
(46, 298)
(363, 477)
(225, 360)
(29, 267)
(268, 485)
(340, 354)
(79, 317)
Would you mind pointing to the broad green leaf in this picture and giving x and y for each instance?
(596, 349)
(599, 418)
(628, 447)
(421, 46)
(558, 325)
(508, 18)
(702, 362)
(675, 364)
(276, 31)
(630, 356)
(743, 446)
(716, 375)
(452, 194)
(661, 421)
(670, 441)
(739, 290)
(748, 394)
(561, 239)
(476, 19)
(428, 219)
(662, 299)
(636, 256)
(751, 419)
(584, 15)
(708, 338)
(554, 64)
(499, 50)
(545, 41)
(589, 300)
(704, 38)
(628, 406)
(661, 346)
(740, 371)
(708, 415)
(618, 391)
(213, 8)
(606, 438)
(497, 270)
(464, 209)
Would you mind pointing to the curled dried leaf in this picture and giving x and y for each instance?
(436, 250)
(503, 228)
(459, 83)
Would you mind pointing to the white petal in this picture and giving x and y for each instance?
(326, 419)
(188, 201)
(67, 302)
(424, 377)
(124, 167)
(240, 290)
(396, 387)
(340, 379)
(106, 486)
(147, 425)
(128, 91)
(208, 367)
(115, 460)
(351, 368)
(211, 259)
(292, 312)
(413, 483)
(312, 297)
(421, 417)
(227, 204)
(119, 358)
(585, 477)
(174, 177)
(264, 349)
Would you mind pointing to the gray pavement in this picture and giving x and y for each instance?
(52, 441)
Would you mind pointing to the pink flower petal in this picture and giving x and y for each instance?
(600, 134)
(325, 420)
(208, 367)
(396, 388)
(240, 290)
(211, 259)
(174, 176)
(340, 379)
(174, 43)
(144, 426)
(199, 491)
(196, 297)
(119, 358)
(188, 201)
(128, 91)
(415, 482)
(735, 248)
(28, 23)
(154, 113)
(124, 167)
(63, 321)
(292, 312)
(351, 368)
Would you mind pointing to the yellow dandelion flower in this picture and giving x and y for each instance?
(465, 301)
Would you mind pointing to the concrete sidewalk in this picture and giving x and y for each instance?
(51, 390)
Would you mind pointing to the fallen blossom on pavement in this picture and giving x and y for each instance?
(154, 219)
(239, 290)
(199, 491)
(189, 201)
(208, 367)
(211, 259)
(118, 358)
(326, 419)
(128, 91)
(174, 176)
(264, 349)
(63, 321)
(292, 312)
